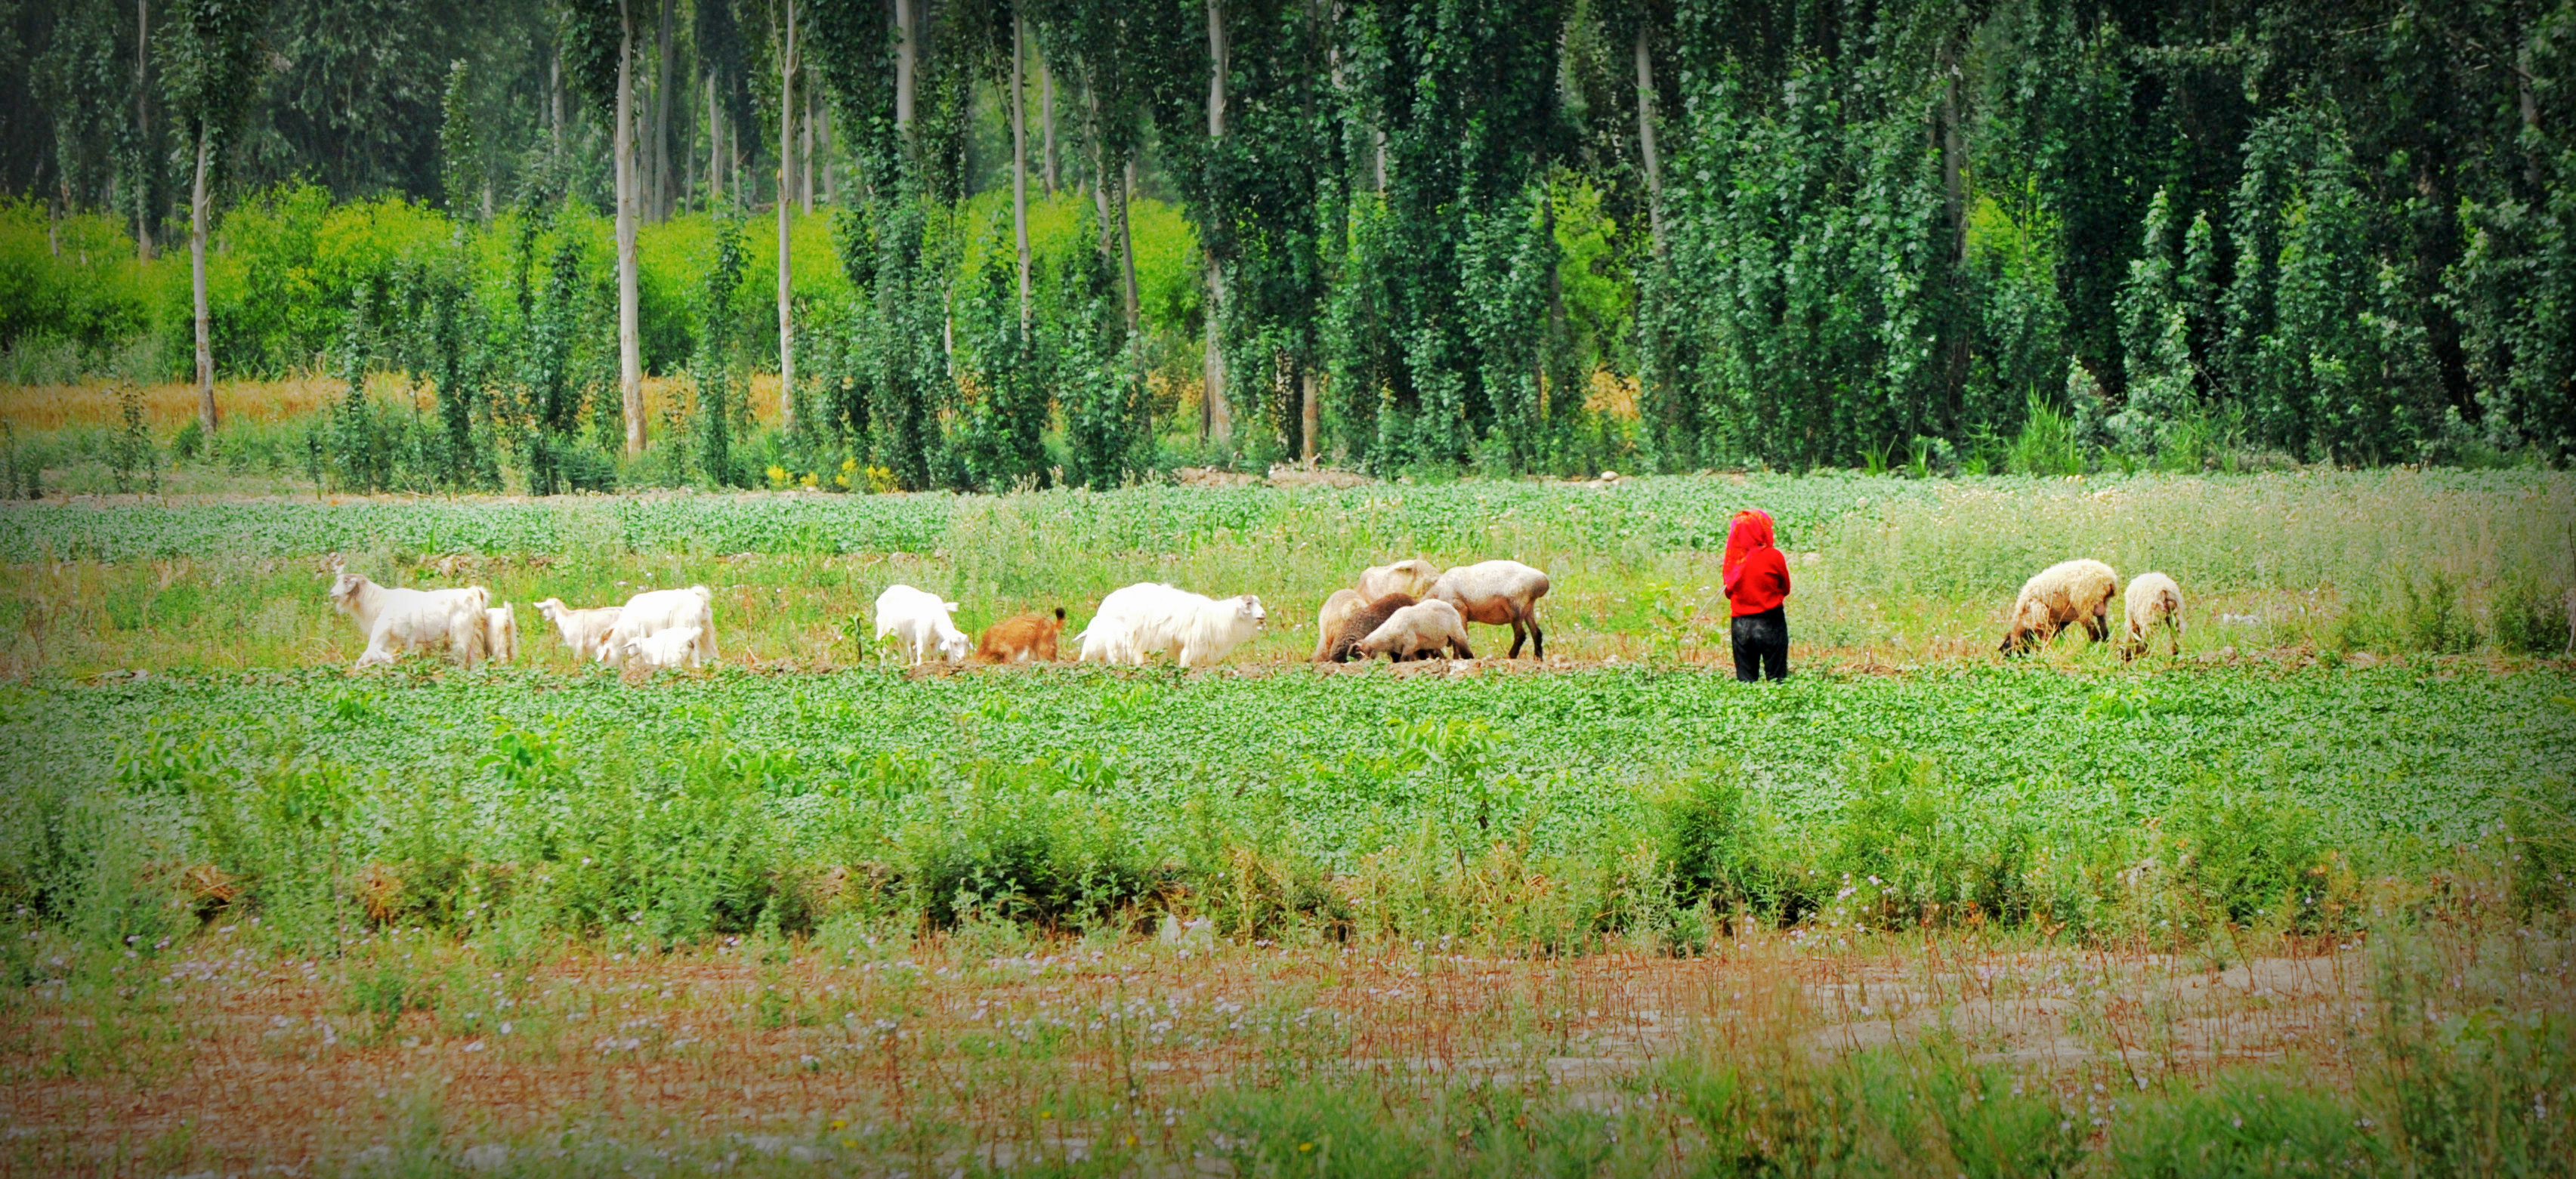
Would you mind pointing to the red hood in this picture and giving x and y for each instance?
(1751, 530)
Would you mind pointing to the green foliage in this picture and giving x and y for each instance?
(2244, 1129)
(460, 148)
(1021, 843)
(131, 454)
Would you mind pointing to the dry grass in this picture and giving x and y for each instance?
(171, 404)
(1028, 1047)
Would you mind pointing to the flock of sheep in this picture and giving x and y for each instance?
(1406, 610)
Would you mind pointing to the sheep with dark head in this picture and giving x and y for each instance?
(1361, 624)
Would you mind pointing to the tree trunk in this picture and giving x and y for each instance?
(662, 120)
(1046, 117)
(630, 354)
(823, 137)
(555, 99)
(1215, 422)
(1646, 137)
(715, 144)
(906, 63)
(805, 156)
(786, 172)
(207, 416)
(1020, 161)
(1310, 417)
(1127, 247)
(143, 122)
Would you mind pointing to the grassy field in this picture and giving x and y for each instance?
(2295, 900)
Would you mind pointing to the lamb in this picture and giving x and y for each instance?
(654, 611)
(1419, 630)
(1361, 624)
(399, 620)
(2064, 594)
(1021, 638)
(585, 631)
(675, 647)
(1497, 593)
(501, 633)
(2152, 600)
(1141, 619)
(1328, 621)
(1412, 578)
(921, 618)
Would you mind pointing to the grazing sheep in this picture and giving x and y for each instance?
(585, 631)
(1328, 621)
(501, 633)
(399, 620)
(1412, 578)
(2062, 595)
(922, 620)
(1142, 619)
(1419, 631)
(675, 647)
(654, 611)
(1497, 593)
(2152, 600)
(1362, 623)
(1022, 638)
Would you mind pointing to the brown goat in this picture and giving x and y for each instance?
(1346, 641)
(1022, 638)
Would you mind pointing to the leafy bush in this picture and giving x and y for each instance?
(1017, 843)
(2241, 1130)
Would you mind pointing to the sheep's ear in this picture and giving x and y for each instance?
(952, 605)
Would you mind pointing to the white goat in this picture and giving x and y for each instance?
(582, 630)
(501, 633)
(399, 620)
(654, 611)
(1145, 618)
(922, 620)
(676, 647)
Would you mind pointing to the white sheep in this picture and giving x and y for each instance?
(1337, 610)
(1412, 578)
(1497, 593)
(676, 647)
(582, 630)
(399, 620)
(655, 611)
(1421, 629)
(922, 620)
(1142, 619)
(2062, 595)
(501, 633)
(2152, 600)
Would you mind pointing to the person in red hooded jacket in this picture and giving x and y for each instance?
(1757, 588)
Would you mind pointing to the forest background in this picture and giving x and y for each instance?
(993, 244)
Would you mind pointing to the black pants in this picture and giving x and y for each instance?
(1762, 645)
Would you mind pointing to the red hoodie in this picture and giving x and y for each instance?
(1756, 574)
